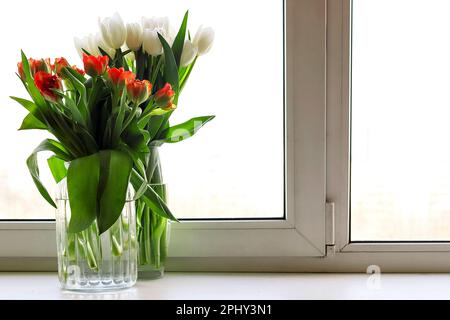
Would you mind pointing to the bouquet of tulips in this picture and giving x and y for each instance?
(108, 119)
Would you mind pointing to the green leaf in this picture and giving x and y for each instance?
(30, 106)
(72, 75)
(31, 122)
(33, 167)
(185, 73)
(29, 81)
(135, 138)
(70, 105)
(170, 65)
(151, 198)
(82, 184)
(76, 74)
(115, 170)
(178, 43)
(57, 168)
(156, 124)
(183, 130)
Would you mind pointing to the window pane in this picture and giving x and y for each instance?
(400, 185)
(231, 164)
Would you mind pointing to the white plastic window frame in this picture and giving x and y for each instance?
(351, 256)
(240, 245)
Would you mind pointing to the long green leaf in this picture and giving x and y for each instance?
(82, 184)
(31, 122)
(115, 173)
(30, 106)
(81, 89)
(33, 166)
(183, 130)
(70, 105)
(151, 198)
(57, 168)
(170, 65)
(178, 43)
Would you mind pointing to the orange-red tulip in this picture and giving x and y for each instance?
(95, 66)
(164, 97)
(138, 90)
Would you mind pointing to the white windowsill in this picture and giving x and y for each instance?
(241, 286)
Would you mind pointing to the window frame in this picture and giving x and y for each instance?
(395, 256)
(32, 245)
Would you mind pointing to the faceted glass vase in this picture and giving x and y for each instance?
(91, 262)
(153, 231)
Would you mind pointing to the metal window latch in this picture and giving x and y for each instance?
(329, 228)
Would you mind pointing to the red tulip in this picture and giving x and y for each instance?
(60, 63)
(164, 97)
(118, 77)
(138, 90)
(80, 71)
(95, 66)
(35, 66)
(45, 82)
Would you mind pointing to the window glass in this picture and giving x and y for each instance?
(233, 168)
(400, 172)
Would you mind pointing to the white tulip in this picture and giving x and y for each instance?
(80, 44)
(99, 42)
(88, 43)
(159, 25)
(134, 36)
(113, 31)
(91, 43)
(151, 43)
(189, 53)
(203, 40)
(153, 23)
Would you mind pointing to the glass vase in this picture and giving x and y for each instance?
(90, 262)
(153, 231)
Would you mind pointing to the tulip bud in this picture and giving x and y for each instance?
(164, 97)
(134, 36)
(113, 31)
(118, 77)
(203, 40)
(46, 83)
(95, 66)
(60, 63)
(151, 43)
(189, 53)
(138, 90)
(20, 70)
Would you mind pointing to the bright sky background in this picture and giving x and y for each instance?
(401, 111)
(233, 167)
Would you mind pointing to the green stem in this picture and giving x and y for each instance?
(147, 235)
(130, 116)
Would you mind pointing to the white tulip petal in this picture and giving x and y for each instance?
(151, 43)
(189, 53)
(134, 36)
(113, 31)
(204, 39)
(79, 44)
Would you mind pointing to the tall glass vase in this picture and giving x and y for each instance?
(153, 231)
(88, 261)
